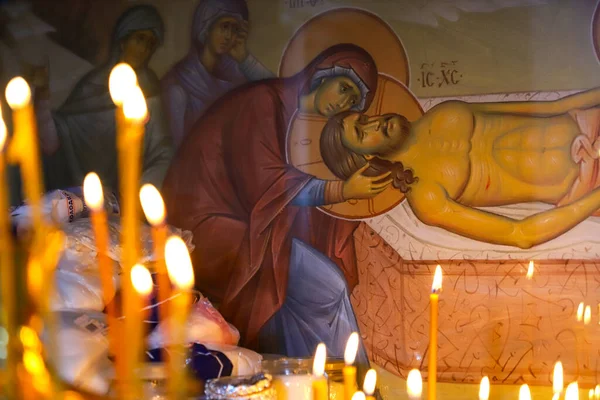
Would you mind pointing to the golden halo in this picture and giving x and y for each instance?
(596, 31)
(346, 25)
(303, 147)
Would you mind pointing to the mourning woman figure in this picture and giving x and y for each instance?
(217, 62)
(231, 186)
(80, 136)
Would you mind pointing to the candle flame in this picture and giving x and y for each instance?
(351, 349)
(134, 105)
(179, 264)
(122, 78)
(319, 360)
(524, 392)
(437, 280)
(530, 270)
(359, 396)
(587, 315)
(18, 94)
(141, 280)
(484, 388)
(558, 380)
(572, 392)
(3, 132)
(580, 312)
(370, 382)
(92, 192)
(414, 384)
(152, 204)
(591, 394)
(597, 391)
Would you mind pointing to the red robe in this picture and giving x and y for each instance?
(231, 186)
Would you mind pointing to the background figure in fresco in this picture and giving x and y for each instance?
(231, 186)
(80, 136)
(469, 155)
(218, 61)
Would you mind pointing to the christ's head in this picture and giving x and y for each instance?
(350, 140)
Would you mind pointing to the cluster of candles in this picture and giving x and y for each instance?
(175, 274)
(320, 387)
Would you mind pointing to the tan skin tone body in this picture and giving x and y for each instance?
(473, 155)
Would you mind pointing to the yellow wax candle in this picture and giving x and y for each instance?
(319, 384)
(484, 388)
(557, 378)
(142, 285)
(24, 146)
(436, 287)
(359, 396)
(7, 275)
(125, 93)
(94, 198)
(349, 370)
(370, 383)
(154, 209)
(414, 385)
(524, 392)
(181, 274)
(572, 392)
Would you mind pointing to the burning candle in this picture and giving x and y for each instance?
(524, 392)
(7, 276)
(591, 394)
(142, 285)
(349, 370)
(484, 388)
(587, 315)
(414, 385)
(557, 378)
(572, 392)
(94, 198)
(121, 80)
(530, 270)
(319, 383)
(154, 210)
(597, 392)
(181, 274)
(24, 147)
(359, 396)
(436, 287)
(370, 383)
(580, 312)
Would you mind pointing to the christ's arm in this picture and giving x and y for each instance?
(582, 100)
(431, 204)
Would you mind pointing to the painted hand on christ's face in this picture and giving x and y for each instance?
(239, 50)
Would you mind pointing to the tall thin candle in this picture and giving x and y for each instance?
(557, 378)
(370, 383)
(414, 385)
(142, 285)
(349, 370)
(572, 392)
(436, 287)
(319, 383)
(524, 392)
(24, 147)
(7, 275)
(181, 273)
(484, 388)
(154, 210)
(94, 198)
